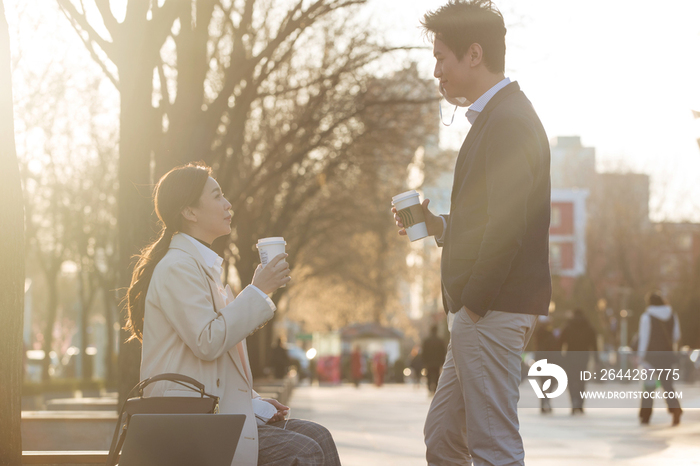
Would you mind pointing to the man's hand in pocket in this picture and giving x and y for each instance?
(472, 315)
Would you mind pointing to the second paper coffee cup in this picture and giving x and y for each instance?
(410, 211)
(269, 248)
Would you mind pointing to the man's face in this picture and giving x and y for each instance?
(454, 75)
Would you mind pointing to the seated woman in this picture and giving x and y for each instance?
(190, 323)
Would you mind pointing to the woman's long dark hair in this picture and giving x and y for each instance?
(179, 188)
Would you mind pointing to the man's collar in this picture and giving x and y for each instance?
(210, 258)
(477, 107)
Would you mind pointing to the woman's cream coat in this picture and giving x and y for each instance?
(184, 332)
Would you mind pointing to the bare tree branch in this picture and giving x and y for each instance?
(80, 25)
(164, 18)
(78, 18)
(110, 22)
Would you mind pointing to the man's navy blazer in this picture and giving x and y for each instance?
(496, 248)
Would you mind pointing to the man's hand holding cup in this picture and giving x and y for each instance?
(433, 222)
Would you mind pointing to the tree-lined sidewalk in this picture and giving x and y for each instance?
(384, 427)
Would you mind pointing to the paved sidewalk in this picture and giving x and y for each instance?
(384, 427)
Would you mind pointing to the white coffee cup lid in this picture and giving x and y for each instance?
(404, 196)
(271, 240)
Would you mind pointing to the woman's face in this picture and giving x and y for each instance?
(211, 218)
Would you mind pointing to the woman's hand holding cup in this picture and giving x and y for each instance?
(273, 275)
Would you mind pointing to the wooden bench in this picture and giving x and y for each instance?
(67, 430)
(64, 457)
(97, 428)
(83, 404)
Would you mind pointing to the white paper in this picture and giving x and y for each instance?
(263, 411)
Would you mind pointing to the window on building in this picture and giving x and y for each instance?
(556, 217)
(555, 256)
(685, 242)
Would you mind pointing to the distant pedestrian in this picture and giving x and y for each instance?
(280, 360)
(546, 347)
(398, 370)
(578, 339)
(659, 331)
(434, 351)
(356, 363)
(416, 365)
(379, 366)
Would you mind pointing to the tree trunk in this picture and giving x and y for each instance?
(51, 279)
(110, 319)
(12, 272)
(259, 342)
(87, 297)
(83, 320)
(135, 206)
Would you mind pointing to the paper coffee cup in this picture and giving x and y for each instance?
(269, 248)
(410, 211)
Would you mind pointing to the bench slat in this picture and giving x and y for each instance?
(64, 457)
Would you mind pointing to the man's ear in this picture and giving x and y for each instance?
(475, 54)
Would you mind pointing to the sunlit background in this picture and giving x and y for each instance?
(315, 153)
(623, 76)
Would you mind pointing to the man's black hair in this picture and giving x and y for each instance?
(461, 23)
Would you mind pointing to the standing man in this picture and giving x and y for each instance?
(495, 259)
(280, 360)
(356, 370)
(433, 357)
(578, 341)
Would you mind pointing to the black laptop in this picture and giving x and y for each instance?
(181, 439)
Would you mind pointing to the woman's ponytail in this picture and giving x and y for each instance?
(140, 279)
(179, 188)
